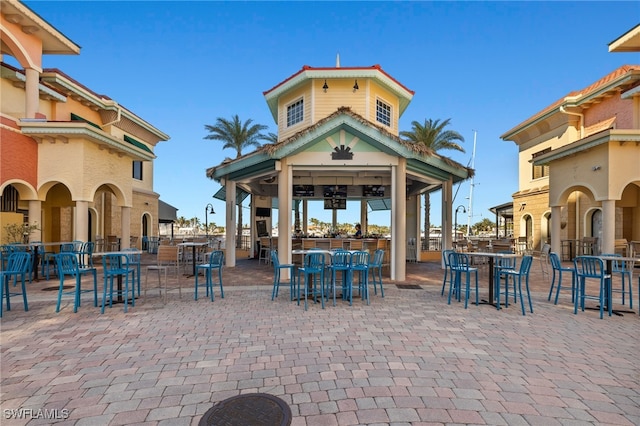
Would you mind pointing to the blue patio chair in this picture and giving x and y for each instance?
(375, 270)
(623, 268)
(518, 275)
(50, 258)
(85, 255)
(17, 266)
(68, 264)
(359, 265)
(117, 266)
(215, 262)
(591, 269)
(135, 260)
(277, 268)
(556, 270)
(340, 264)
(447, 269)
(503, 264)
(460, 265)
(313, 282)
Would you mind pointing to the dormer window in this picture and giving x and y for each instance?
(383, 113)
(295, 112)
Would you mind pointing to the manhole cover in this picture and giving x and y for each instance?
(56, 288)
(248, 409)
(409, 286)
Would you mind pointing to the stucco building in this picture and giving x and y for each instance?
(77, 163)
(579, 164)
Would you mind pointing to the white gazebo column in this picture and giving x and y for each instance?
(35, 218)
(125, 226)
(608, 226)
(82, 221)
(32, 95)
(285, 194)
(556, 245)
(399, 221)
(230, 224)
(447, 205)
(413, 224)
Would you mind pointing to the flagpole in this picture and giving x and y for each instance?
(470, 209)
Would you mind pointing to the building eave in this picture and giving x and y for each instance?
(42, 131)
(600, 138)
(628, 42)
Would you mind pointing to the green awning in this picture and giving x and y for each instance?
(222, 195)
(380, 204)
(137, 144)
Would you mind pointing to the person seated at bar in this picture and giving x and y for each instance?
(358, 233)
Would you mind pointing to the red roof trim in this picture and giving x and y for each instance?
(308, 68)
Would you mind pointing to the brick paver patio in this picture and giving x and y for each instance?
(408, 358)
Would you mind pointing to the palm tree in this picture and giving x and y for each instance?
(433, 135)
(236, 135)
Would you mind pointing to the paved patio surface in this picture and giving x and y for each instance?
(407, 358)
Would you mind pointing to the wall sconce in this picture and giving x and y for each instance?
(325, 87)
(355, 86)
(522, 206)
(596, 168)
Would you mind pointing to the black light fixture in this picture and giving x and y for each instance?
(208, 209)
(455, 227)
(355, 86)
(325, 87)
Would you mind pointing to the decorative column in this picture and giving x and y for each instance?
(82, 221)
(399, 221)
(35, 218)
(285, 194)
(556, 244)
(125, 226)
(230, 230)
(32, 92)
(608, 226)
(447, 212)
(364, 220)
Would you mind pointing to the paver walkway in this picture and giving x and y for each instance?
(408, 358)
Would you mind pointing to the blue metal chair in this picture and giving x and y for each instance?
(460, 265)
(624, 269)
(114, 266)
(360, 265)
(216, 261)
(68, 264)
(50, 258)
(313, 272)
(557, 269)
(17, 266)
(277, 268)
(340, 264)
(134, 261)
(519, 275)
(589, 269)
(85, 255)
(375, 270)
(503, 264)
(447, 269)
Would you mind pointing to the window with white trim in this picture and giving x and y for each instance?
(538, 172)
(295, 112)
(383, 113)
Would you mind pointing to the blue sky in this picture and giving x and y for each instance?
(485, 65)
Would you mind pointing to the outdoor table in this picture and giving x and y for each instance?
(126, 253)
(608, 268)
(193, 246)
(36, 253)
(491, 256)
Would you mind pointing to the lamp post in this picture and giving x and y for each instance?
(455, 227)
(207, 209)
